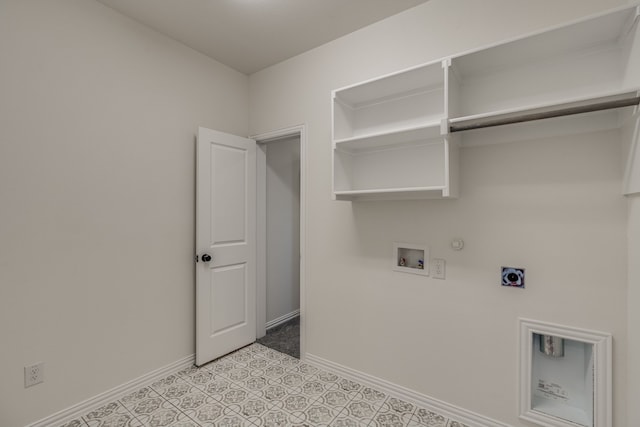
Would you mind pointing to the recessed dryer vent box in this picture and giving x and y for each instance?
(411, 258)
(565, 375)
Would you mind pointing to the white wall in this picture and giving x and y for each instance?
(283, 227)
(98, 116)
(552, 206)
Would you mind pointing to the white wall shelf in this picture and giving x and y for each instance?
(418, 169)
(578, 59)
(409, 99)
(387, 137)
(382, 127)
(412, 193)
(390, 138)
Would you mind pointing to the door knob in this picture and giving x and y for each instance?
(206, 257)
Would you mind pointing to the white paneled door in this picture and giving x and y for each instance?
(226, 244)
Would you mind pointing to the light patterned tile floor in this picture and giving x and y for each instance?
(259, 387)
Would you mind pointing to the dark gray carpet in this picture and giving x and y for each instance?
(284, 338)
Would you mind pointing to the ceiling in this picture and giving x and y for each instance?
(249, 35)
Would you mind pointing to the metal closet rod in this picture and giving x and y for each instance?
(500, 121)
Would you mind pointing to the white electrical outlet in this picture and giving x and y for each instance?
(439, 268)
(33, 374)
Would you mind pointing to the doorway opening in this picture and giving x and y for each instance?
(280, 239)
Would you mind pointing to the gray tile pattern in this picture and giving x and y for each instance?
(259, 387)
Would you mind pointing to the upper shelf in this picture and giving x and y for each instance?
(581, 59)
(394, 103)
(423, 78)
(606, 29)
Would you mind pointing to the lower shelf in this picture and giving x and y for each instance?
(416, 170)
(394, 194)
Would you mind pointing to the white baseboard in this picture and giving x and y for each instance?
(446, 409)
(459, 414)
(77, 410)
(282, 319)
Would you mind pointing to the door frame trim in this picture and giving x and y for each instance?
(261, 191)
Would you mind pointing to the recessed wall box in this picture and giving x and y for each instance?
(565, 375)
(411, 258)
